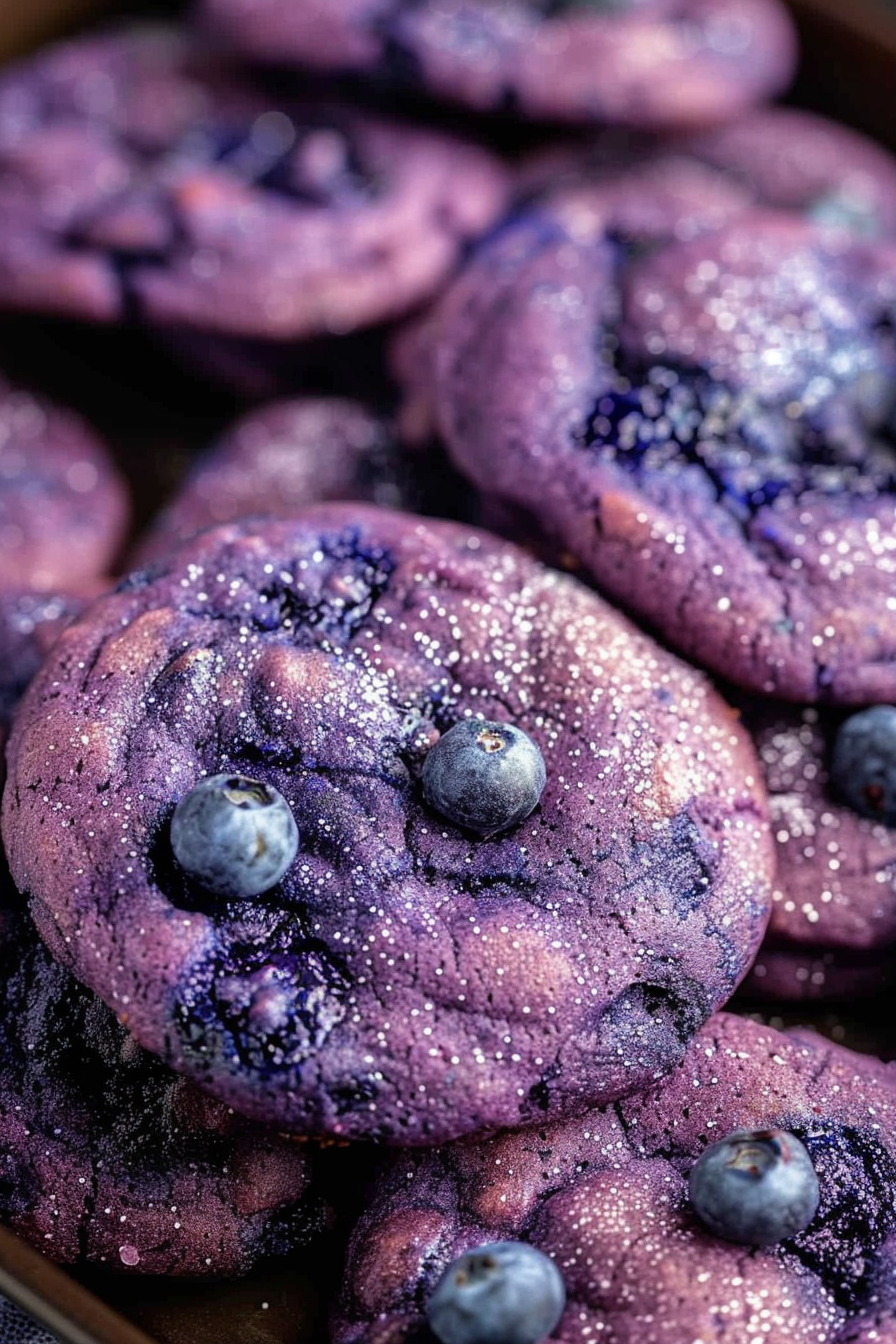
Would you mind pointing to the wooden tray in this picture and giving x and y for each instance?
(125, 386)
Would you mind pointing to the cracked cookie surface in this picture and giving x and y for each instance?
(651, 63)
(606, 1197)
(697, 411)
(109, 1159)
(139, 182)
(405, 981)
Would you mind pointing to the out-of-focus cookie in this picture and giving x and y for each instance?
(63, 505)
(288, 455)
(657, 63)
(773, 156)
(139, 181)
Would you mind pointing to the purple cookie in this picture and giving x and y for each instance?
(702, 419)
(107, 1158)
(63, 506)
(138, 181)
(406, 980)
(290, 454)
(777, 156)
(607, 1197)
(833, 924)
(656, 63)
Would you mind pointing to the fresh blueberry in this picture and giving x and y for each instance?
(504, 1293)
(235, 836)
(755, 1187)
(863, 765)
(484, 776)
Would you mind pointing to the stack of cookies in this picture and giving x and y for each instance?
(427, 777)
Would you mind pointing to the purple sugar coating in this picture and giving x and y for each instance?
(654, 63)
(405, 981)
(63, 506)
(138, 180)
(699, 418)
(290, 454)
(107, 1158)
(606, 1196)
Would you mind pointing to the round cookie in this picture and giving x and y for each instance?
(140, 182)
(63, 506)
(656, 63)
(407, 980)
(107, 1158)
(701, 419)
(290, 454)
(606, 1196)
(775, 156)
(833, 925)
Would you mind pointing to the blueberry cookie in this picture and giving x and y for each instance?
(833, 923)
(778, 156)
(107, 1158)
(138, 181)
(424, 953)
(657, 63)
(63, 507)
(290, 454)
(704, 423)
(747, 1196)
